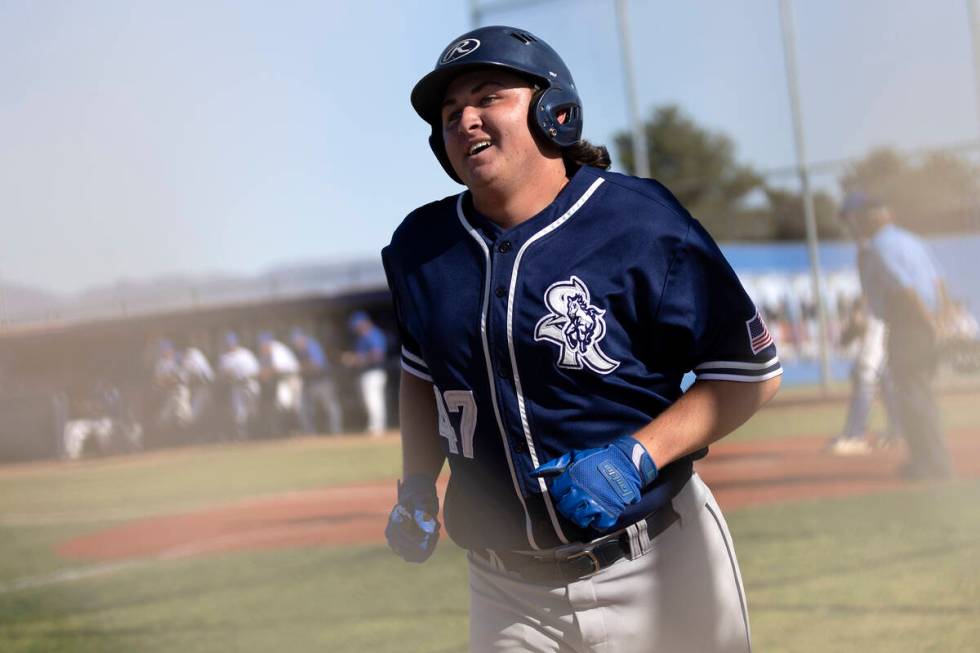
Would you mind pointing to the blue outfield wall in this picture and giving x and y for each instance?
(958, 257)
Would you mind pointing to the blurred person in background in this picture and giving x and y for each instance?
(199, 377)
(102, 423)
(239, 369)
(906, 291)
(281, 385)
(368, 357)
(170, 380)
(319, 387)
(867, 374)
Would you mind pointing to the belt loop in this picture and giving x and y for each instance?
(495, 562)
(639, 540)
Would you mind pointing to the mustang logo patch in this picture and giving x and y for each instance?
(576, 326)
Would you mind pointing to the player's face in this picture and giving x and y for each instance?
(485, 127)
(863, 224)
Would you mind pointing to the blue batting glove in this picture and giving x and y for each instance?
(592, 487)
(413, 529)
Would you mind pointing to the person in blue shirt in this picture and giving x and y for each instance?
(905, 290)
(370, 349)
(319, 388)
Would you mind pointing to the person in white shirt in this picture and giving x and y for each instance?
(282, 386)
(239, 368)
(171, 382)
(199, 377)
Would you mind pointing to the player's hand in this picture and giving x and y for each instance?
(592, 487)
(413, 529)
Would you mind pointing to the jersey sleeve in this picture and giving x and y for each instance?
(709, 323)
(411, 353)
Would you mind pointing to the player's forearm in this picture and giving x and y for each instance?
(422, 451)
(707, 412)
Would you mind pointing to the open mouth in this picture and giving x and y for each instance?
(478, 147)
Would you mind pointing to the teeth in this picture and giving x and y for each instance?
(478, 147)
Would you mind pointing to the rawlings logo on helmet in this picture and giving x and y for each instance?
(459, 49)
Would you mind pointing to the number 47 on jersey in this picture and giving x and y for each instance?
(457, 401)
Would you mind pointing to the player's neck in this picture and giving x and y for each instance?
(508, 205)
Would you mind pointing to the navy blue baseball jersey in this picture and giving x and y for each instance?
(565, 332)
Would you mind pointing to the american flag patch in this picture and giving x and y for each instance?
(759, 337)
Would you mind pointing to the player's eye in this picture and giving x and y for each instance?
(486, 100)
(451, 117)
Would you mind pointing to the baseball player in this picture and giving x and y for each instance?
(319, 387)
(867, 373)
(547, 316)
(171, 379)
(368, 357)
(239, 368)
(281, 384)
(200, 379)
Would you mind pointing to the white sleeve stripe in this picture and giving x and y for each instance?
(415, 372)
(737, 365)
(413, 358)
(713, 376)
(743, 373)
(736, 370)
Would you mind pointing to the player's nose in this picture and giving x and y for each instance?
(470, 118)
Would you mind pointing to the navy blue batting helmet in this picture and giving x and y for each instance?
(511, 49)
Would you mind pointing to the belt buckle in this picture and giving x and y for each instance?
(587, 553)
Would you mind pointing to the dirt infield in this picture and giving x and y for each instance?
(740, 474)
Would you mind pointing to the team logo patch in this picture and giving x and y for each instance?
(459, 49)
(576, 326)
(759, 337)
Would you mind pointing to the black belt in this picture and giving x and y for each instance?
(581, 560)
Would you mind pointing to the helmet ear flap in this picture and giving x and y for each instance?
(546, 107)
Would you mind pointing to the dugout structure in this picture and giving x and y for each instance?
(51, 372)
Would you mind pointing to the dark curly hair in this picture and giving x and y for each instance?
(585, 153)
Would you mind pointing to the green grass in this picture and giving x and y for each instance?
(789, 417)
(892, 572)
(193, 477)
(361, 599)
(889, 572)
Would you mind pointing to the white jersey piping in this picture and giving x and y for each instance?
(415, 372)
(413, 358)
(490, 377)
(513, 358)
(712, 376)
(736, 365)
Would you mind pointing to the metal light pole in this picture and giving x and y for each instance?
(475, 15)
(3, 307)
(641, 164)
(972, 10)
(789, 54)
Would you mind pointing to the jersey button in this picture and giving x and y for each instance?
(504, 247)
(500, 291)
(520, 446)
(502, 371)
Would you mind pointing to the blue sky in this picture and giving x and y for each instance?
(149, 138)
